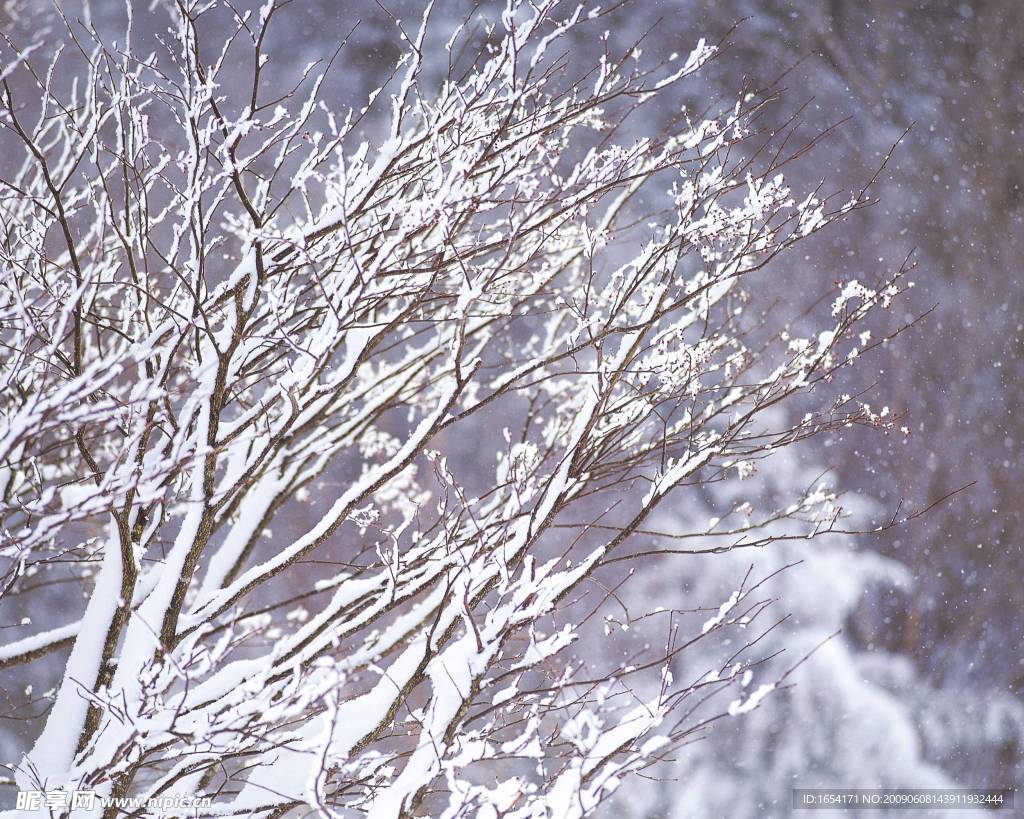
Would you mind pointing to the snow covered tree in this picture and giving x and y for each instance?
(345, 438)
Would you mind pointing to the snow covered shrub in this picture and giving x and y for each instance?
(344, 437)
(845, 716)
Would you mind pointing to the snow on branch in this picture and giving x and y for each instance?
(247, 345)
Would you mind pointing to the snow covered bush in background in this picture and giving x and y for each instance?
(241, 344)
(846, 716)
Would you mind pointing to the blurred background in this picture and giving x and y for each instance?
(925, 686)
